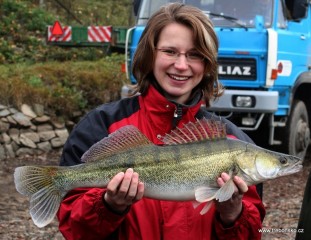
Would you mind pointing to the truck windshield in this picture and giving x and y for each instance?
(223, 13)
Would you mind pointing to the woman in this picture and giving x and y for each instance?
(175, 67)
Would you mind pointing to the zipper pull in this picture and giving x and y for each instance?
(177, 115)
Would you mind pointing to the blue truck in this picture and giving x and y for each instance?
(264, 63)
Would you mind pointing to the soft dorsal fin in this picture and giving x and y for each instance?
(121, 140)
(200, 130)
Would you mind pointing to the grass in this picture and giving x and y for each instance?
(62, 87)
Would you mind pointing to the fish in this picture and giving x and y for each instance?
(184, 168)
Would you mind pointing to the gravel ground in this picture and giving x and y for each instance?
(282, 198)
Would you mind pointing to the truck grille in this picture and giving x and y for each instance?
(237, 68)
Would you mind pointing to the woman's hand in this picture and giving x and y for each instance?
(123, 190)
(231, 209)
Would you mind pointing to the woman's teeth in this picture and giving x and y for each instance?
(179, 78)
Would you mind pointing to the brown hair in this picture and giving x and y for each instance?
(205, 40)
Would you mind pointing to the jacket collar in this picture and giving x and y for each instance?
(164, 115)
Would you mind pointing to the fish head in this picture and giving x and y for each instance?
(271, 164)
(258, 165)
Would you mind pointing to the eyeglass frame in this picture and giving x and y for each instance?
(176, 54)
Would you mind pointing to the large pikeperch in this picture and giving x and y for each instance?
(184, 169)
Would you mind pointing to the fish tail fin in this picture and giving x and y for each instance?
(45, 197)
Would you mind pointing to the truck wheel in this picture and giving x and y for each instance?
(297, 131)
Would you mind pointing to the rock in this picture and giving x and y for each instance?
(39, 109)
(14, 134)
(62, 133)
(58, 125)
(24, 151)
(15, 146)
(21, 119)
(46, 135)
(44, 127)
(4, 113)
(33, 127)
(45, 146)
(11, 120)
(5, 119)
(33, 136)
(2, 153)
(13, 110)
(5, 138)
(31, 132)
(9, 150)
(57, 142)
(26, 109)
(4, 126)
(27, 142)
(42, 119)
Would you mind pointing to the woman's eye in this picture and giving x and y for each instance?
(195, 55)
(169, 52)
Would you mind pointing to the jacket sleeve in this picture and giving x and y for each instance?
(83, 215)
(87, 132)
(248, 223)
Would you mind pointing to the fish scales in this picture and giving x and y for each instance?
(174, 171)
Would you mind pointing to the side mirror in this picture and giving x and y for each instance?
(297, 8)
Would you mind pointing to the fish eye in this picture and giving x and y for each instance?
(283, 160)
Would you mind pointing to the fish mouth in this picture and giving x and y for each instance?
(293, 168)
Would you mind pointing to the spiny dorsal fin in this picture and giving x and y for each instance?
(200, 130)
(121, 140)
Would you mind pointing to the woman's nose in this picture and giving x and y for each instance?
(181, 62)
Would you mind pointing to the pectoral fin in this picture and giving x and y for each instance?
(206, 194)
(225, 192)
(206, 207)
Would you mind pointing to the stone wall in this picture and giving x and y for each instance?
(29, 131)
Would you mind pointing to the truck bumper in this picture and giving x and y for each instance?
(246, 101)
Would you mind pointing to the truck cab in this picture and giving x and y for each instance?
(264, 64)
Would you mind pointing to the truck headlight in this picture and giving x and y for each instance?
(243, 101)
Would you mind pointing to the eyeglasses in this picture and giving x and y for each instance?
(191, 56)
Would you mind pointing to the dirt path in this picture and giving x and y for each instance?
(15, 221)
(282, 198)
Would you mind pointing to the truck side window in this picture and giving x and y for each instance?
(281, 18)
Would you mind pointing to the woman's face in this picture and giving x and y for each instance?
(177, 75)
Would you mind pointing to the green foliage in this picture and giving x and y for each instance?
(109, 12)
(62, 87)
(62, 79)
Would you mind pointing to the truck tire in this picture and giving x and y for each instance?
(297, 131)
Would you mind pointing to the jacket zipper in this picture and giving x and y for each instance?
(177, 115)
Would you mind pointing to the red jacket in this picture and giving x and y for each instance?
(83, 215)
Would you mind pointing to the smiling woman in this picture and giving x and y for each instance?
(175, 65)
(197, 37)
